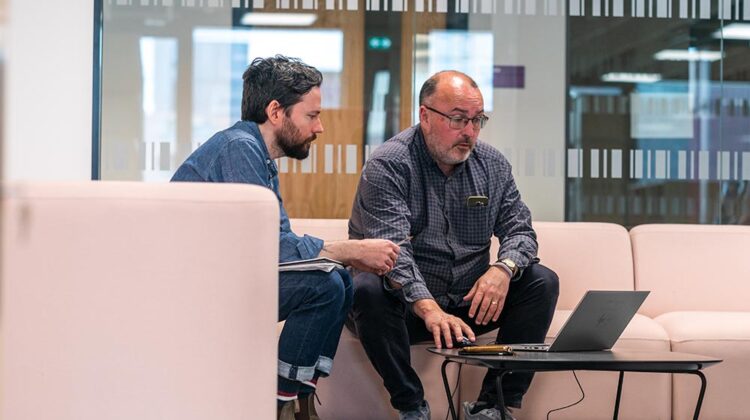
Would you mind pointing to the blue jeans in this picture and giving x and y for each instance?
(386, 327)
(314, 305)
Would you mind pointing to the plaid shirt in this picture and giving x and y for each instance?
(402, 192)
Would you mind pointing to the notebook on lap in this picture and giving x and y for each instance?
(596, 322)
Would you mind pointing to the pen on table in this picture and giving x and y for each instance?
(405, 240)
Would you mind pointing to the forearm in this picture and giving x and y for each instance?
(521, 248)
(343, 251)
(424, 307)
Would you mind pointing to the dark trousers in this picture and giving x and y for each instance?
(386, 327)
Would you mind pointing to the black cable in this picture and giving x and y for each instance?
(458, 381)
(583, 395)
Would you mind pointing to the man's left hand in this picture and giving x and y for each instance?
(488, 296)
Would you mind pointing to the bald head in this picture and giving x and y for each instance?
(444, 82)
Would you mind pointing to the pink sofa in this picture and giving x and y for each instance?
(590, 256)
(699, 277)
(138, 301)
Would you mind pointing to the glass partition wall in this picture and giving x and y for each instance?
(609, 110)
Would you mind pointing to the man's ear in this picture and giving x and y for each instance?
(422, 115)
(274, 112)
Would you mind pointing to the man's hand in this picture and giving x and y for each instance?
(372, 255)
(442, 324)
(488, 296)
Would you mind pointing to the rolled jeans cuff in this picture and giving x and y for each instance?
(305, 373)
(296, 373)
(324, 365)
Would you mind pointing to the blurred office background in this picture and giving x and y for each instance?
(624, 111)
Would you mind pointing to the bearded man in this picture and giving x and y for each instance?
(281, 117)
(448, 193)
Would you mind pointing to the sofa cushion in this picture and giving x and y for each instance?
(692, 267)
(585, 256)
(725, 335)
(326, 229)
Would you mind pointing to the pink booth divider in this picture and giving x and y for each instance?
(138, 301)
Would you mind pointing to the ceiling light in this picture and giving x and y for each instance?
(632, 77)
(688, 55)
(734, 31)
(278, 19)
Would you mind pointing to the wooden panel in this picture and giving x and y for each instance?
(322, 195)
(317, 194)
(413, 23)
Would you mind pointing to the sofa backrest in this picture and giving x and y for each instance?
(586, 256)
(325, 229)
(692, 267)
(138, 301)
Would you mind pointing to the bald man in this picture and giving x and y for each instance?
(444, 194)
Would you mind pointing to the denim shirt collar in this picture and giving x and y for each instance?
(252, 128)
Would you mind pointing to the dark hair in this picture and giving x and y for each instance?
(279, 78)
(430, 85)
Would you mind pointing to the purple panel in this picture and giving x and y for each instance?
(509, 77)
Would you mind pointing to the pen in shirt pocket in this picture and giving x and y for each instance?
(405, 240)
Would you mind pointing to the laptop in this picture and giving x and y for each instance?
(595, 324)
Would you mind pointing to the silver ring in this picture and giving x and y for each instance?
(493, 303)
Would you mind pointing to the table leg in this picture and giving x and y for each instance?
(701, 394)
(619, 394)
(448, 389)
(698, 405)
(500, 399)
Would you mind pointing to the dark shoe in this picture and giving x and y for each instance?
(482, 411)
(286, 411)
(307, 408)
(421, 413)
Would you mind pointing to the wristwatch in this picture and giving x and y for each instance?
(508, 265)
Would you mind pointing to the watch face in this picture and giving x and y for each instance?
(509, 263)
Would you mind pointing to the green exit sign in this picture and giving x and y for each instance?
(379, 43)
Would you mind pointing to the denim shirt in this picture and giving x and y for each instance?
(239, 155)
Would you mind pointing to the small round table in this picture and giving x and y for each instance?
(617, 361)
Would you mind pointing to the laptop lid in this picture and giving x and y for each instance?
(598, 320)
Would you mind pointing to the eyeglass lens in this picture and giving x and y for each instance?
(458, 123)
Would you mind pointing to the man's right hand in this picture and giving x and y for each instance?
(374, 255)
(442, 324)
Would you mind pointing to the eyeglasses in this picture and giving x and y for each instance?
(458, 123)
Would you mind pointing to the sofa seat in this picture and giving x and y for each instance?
(551, 390)
(725, 335)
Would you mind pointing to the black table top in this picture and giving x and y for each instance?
(614, 360)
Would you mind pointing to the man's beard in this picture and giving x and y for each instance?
(451, 155)
(291, 142)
